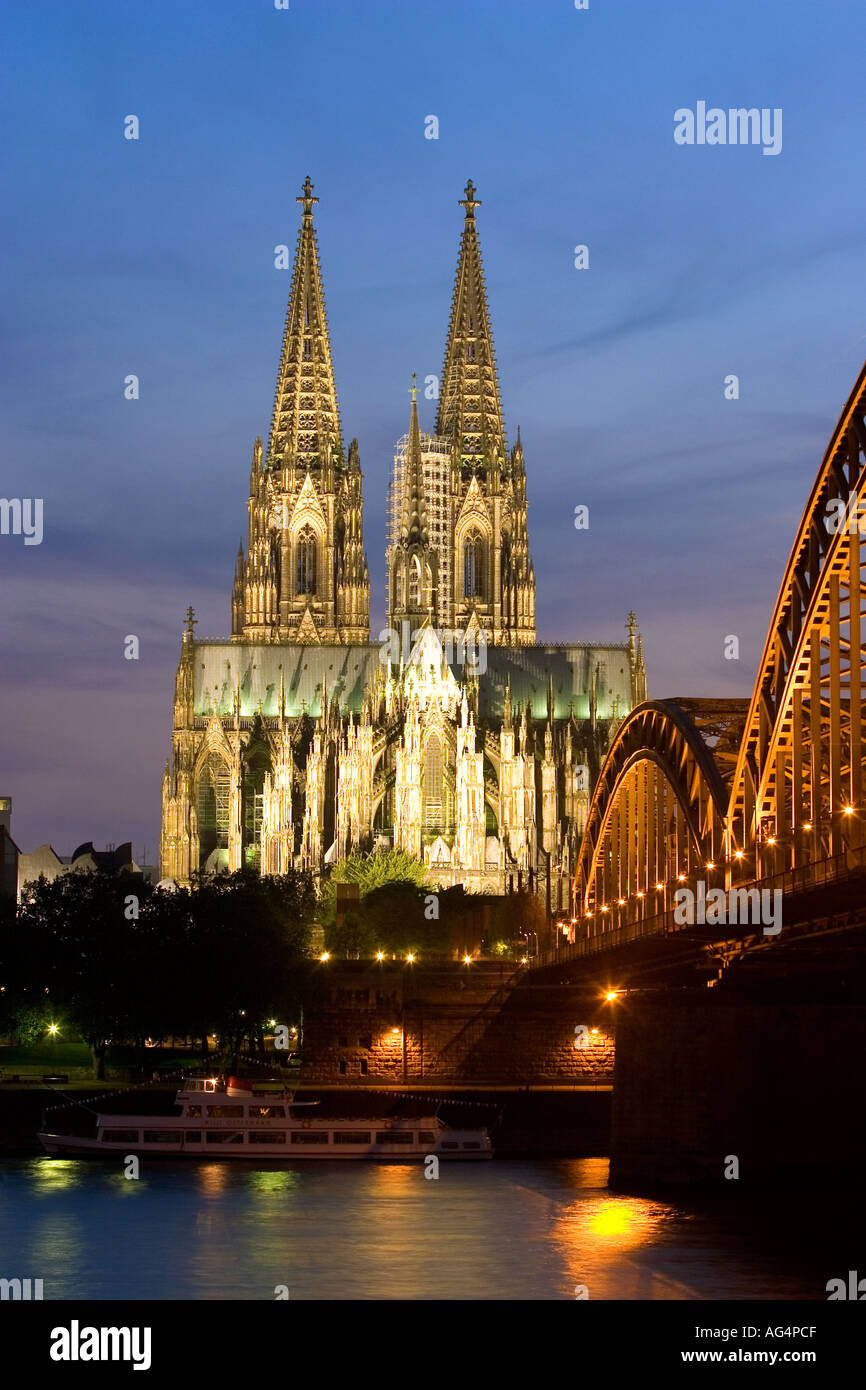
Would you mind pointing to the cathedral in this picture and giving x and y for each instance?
(454, 737)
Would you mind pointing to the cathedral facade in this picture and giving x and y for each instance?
(455, 737)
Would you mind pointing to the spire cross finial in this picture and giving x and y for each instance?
(191, 620)
(413, 389)
(307, 199)
(470, 202)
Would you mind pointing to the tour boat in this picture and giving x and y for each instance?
(230, 1120)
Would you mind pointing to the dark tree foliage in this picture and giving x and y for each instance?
(121, 961)
(394, 918)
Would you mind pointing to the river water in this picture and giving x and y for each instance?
(509, 1229)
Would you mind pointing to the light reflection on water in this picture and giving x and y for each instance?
(510, 1229)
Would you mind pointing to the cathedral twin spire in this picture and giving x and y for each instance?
(470, 413)
(474, 555)
(306, 420)
(305, 577)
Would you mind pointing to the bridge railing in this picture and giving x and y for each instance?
(817, 874)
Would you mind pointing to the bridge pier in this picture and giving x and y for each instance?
(702, 1079)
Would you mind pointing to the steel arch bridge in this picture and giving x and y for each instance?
(736, 792)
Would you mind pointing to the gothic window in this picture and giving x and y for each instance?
(305, 551)
(470, 353)
(212, 805)
(400, 586)
(473, 566)
(414, 584)
(433, 790)
(257, 764)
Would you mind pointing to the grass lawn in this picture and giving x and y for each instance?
(51, 1056)
(58, 1055)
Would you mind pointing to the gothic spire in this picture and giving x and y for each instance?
(470, 413)
(306, 424)
(414, 520)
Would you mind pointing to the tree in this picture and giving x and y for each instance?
(369, 871)
(75, 947)
(125, 962)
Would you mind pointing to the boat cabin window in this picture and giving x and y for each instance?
(395, 1136)
(192, 1136)
(449, 1144)
(207, 1086)
(225, 1136)
(267, 1112)
(267, 1136)
(471, 1145)
(310, 1136)
(226, 1112)
(162, 1136)
(194, 1112)
(426, 1136)
(352, 1136)
(120, 1136)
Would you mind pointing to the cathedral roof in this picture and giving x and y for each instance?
(348, 671)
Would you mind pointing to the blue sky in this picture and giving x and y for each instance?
(156, 258)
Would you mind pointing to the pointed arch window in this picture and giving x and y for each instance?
(306, 556)
(414, 584)
(212, 804)
(433, 789)
(473, 566)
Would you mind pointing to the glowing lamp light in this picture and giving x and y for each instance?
(659, 887)
(807, 825)
(849, 811)
(620, 902)
(467, 960)
(524, 960)
(272, 1023)
(410, 959)
(395, 1030)
(326, 955)
(605, 908)
(738, 854)
(53, 1028)
(710, 864)
(611, 995)
(640, 895)
(771, 840)
(380, 955)
(594, 1031)
(681, 878)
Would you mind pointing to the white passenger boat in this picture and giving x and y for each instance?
(230, 1120)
